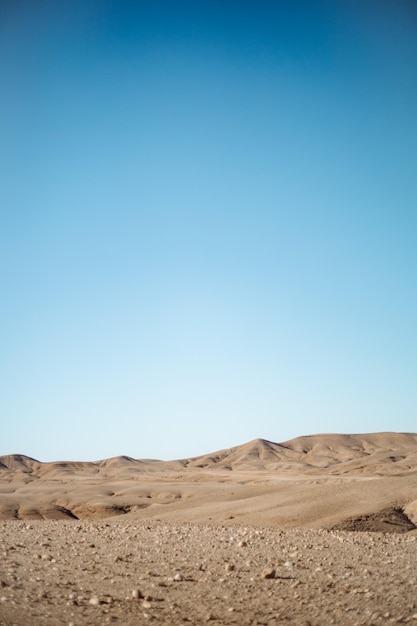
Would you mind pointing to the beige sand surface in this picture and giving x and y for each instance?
(319, 481)
(195, 536)
(133, 572)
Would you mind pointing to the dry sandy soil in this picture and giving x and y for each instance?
(316, 530)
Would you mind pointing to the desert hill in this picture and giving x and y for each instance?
(339, 453)
(326, 481)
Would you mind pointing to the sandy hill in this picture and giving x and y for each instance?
(327, 480)
(338, 453)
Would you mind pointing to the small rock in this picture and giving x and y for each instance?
(268, 572)
(229, 567)
(94, 601)
(136, 594)
(107, 599)
(178, 577)
(146, 604)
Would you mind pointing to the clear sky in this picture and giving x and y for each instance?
(208, 223)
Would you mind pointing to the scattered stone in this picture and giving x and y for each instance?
(107, 599)
(378, 566)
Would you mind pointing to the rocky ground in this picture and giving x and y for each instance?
(136, 572)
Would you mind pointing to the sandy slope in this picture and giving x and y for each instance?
(320, 481)
(256, 534)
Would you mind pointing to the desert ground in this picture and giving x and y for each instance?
(317, 530)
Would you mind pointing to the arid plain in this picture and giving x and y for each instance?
(317, 530)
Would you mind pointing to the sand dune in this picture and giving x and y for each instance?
(317, 481)
(261, 533)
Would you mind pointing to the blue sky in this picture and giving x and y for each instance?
(208, 224)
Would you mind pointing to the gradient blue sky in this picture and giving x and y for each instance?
(208, 223)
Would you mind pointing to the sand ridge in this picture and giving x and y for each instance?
(317, 481)
(259, 534)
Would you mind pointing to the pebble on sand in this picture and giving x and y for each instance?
(268, 572)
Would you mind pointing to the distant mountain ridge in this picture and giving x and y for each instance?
(386, 453)
(326, 481)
